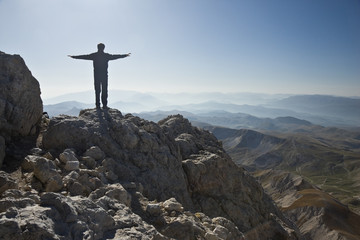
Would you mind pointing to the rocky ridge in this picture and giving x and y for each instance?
(103, 175)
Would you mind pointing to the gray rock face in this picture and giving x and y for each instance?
(170, 162)
(219, 188)
(139, 150)
(6, 182)
(20, 103)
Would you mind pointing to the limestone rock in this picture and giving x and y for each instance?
(54, 216)
(195, 190)
(114, 191)
(89, 162)
(6, 182)
(20, 103)
(173, 205)
(146, 157)
(72, 165)
(187, 225)
(17, 199)
(45, 171)
(95, 152)
(220, 188)
(153, 209)
(68, 155)
(32, 222)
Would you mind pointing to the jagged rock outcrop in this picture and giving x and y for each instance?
(20, 103)
(107, 176)
(168, 160)
(136, 150)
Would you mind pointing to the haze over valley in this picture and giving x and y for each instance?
(233, 110)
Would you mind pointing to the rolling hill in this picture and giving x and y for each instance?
(326, 157)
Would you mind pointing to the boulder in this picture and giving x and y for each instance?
(114, 191)
(45, 170)
(68, 155)
(95, 152)
(153, 209)
(7, 182)
(72, 165)
(20, 103)
(173, 205)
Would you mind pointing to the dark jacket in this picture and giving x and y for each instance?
(100, 60)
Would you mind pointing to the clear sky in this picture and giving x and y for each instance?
(268, 46)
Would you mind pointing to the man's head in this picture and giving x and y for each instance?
(101, 47)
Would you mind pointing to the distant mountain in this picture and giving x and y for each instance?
(347, 109)
(238, 98)
(318, 109)
(268, 111)
(114, 96)
(71, 108)
(235, 120)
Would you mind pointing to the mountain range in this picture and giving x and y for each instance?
(318, 109)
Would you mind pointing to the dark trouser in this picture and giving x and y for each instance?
(101, 86)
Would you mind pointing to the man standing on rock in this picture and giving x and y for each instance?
(100, 61)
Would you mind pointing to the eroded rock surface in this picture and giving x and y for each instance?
(20, 103)
(165, 161)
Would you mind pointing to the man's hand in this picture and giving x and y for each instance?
(128, 55)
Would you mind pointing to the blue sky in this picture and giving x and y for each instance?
(268, 46)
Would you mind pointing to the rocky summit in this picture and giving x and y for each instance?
(105, 175)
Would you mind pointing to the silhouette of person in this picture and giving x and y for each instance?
(100, 61)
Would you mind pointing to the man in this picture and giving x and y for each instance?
(100, 61)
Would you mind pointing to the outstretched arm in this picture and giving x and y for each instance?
(85, 57)
(117, 56)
